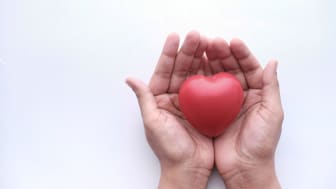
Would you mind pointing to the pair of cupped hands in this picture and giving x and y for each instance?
(244, 153)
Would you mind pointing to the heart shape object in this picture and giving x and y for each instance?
(210, 104)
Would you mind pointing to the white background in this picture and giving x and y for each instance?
(67, 120)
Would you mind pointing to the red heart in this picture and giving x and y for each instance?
(210, 104)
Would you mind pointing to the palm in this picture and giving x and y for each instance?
(238, 139)
(185, 143)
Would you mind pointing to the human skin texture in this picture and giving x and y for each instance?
(244, 154)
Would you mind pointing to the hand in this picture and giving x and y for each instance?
(186, 157)
(244, 154)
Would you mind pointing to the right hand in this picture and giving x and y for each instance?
(244, 154)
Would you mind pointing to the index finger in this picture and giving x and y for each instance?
(160, 80)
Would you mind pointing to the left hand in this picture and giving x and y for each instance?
(186, 157)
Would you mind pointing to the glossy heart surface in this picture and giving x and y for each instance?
(211, 104)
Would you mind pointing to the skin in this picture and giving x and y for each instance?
(244, 154)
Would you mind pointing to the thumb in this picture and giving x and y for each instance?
(145, 97)
(271, 92)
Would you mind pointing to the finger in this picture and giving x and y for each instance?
(195, 66)
(248, 64)
(203, 44)
(183, 61)
(270, 91)
(205, 67)
(160, 80)
(145, 97)
(213, 53)
(230, 63)
(197, 61)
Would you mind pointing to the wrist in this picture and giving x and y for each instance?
(262, 176)
(183, 178)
